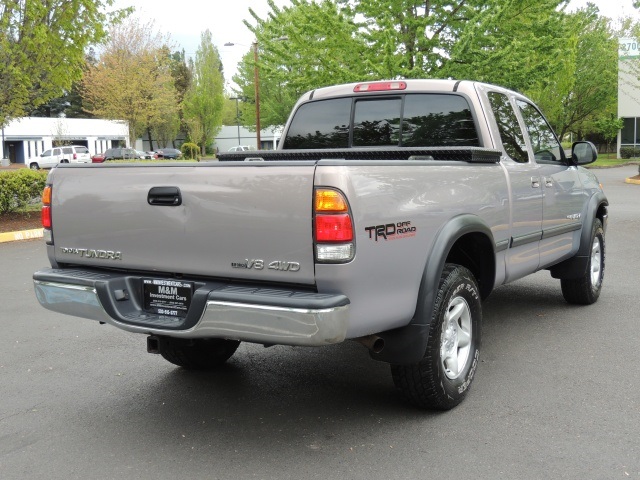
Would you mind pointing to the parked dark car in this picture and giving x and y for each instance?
(169, 153)
(120, 154)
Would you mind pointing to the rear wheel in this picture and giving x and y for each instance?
(585, 290)
(34, 166)
(442, 378)
(197, 354)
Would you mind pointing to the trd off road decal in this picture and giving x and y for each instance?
(391, 231)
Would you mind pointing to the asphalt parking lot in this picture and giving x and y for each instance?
(557, 392)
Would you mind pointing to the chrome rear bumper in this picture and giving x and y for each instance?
(270, 316)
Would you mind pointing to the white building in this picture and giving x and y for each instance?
(28, 137)
(629, 92)
(233, 135)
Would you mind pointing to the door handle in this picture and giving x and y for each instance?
(535, 182)
(164, 196)
(548, 182)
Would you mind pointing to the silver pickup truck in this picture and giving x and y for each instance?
(389, 211)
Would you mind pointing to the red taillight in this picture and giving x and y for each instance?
(334, 238)
(379, 86)
(75, 156)
(45, 215)
(334, 228)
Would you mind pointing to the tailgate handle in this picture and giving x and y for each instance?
(165, 196)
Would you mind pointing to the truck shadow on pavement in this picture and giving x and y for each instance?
(334, 398)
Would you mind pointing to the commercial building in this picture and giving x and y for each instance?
(233, 135)
(629, 92)
(28, 137)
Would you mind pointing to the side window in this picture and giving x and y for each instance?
(322, 124)
(546, 148)
(56, 151)
(510, 132)
(46, 153)
(67, 150)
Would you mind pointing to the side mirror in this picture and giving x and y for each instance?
(583, 153)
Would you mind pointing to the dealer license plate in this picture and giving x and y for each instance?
(167, 297)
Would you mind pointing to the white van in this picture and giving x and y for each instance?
(66, 154)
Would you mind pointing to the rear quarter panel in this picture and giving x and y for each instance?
(383, 279)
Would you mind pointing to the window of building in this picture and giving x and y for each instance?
(630, 133)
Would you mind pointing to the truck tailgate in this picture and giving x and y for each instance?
(243, 221)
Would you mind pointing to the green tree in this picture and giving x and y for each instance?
(587, 90)
(181, 74)
(230, 112)
(69, 105)
(203, 102)
(132, 82)
(301, 47)
(515, 43)
(609, 127)
(42, 45)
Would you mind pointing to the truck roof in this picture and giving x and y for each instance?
(410, 85)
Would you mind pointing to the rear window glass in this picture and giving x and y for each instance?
(323, 124)
(412, 120)
(438, 120)
(377, 122)
(82, 150)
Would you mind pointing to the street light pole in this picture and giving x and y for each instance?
(256, 82)
(237, 117)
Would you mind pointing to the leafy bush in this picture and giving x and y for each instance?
(190, 150)
(18, 188)
(629, 152)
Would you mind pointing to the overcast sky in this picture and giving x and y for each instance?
(186, 19)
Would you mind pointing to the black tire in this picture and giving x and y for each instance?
(197, 354)
(586, 289)
(34, 166)
(438, 381)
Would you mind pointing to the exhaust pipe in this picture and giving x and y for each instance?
(372, 342)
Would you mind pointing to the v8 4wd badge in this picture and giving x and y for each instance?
(258, 264)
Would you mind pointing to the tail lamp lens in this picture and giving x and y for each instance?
(334, 228)
(330, 201)
(46, 195)
(46, 216)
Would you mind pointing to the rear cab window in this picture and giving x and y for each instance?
(406, 120)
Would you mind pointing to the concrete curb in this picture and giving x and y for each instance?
(21, 235)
